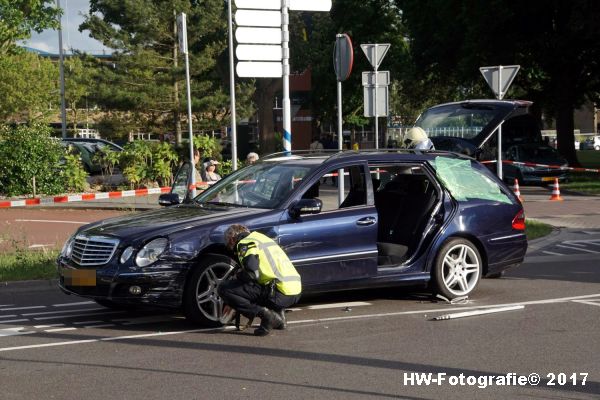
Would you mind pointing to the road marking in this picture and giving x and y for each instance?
(348, 317)
(51, 221)
(591, 232)
(578, 249)
(47, 326)
(8, 316)
(575, 244)
(6, 305)
(13, 320)
(73, 304)
(60, 329)
(338, 305)
(63, 311)
(22, 308)
(87, 322)
(591, 303)
(14, 331)
(77, 315)
(553, 253)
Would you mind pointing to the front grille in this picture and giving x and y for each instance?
(95, 250)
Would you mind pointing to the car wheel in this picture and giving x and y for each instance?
(457, 268)
(201, 303)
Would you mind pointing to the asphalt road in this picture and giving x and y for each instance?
(356, 345)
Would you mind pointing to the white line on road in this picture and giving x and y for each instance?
(60, 329)
(88, 322)
(99, 326)
(51, 221)
(553, 253)
(13, 320)
(578, 249)
(63, 311)
(339, 305)
(22, 308)
(47, 326)
(8, 316)
(591, 232)
(73, 304)
(77, 315)
(353, 317)
(591, 303)
(14, 331)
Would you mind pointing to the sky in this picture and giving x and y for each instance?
(72, 38)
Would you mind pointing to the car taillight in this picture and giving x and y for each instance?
(518, 222)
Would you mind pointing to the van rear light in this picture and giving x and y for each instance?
(518, 221)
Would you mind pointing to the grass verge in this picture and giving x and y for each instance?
(535, 229)
(26, 265)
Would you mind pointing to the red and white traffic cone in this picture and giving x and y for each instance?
(555, 191)
(517, 191)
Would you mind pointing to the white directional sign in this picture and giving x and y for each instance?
(256, 69)
(258, 52)
(375, 53)
(257, 18)
(258, 35)
(310, 5)
(259, 4)
(499, 78)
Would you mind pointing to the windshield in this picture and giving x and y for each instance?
(263, 185)
(457, 120)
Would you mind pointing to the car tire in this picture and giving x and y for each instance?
(201, 303)
(457, 268)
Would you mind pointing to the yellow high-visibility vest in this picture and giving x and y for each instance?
(273, 263)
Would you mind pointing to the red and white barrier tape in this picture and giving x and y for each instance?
(528, 164)
(83, 197)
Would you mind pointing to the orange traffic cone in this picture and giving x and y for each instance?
(556, 191)
(517, 191)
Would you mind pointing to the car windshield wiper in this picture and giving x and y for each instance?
(222, 203)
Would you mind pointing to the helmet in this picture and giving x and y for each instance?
(414, 136)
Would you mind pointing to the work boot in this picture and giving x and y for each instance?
(268, 320)
(283, 325)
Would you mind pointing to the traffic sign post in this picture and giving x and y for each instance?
(183, 47)
(232, 90)
(343, 60)
(499, 79)
(262, 23)
(375, 54)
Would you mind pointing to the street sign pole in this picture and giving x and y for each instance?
(376, 108)
(183, 47)
(287, 118)
(61, 69)
(232, 92)
(499, 79)
(500, 95)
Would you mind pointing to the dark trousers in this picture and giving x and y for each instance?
(249, 297)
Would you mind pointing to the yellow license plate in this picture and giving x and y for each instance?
(548, 179)
(79, 277)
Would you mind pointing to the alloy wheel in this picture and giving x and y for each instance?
(209, 302)
(460, 269)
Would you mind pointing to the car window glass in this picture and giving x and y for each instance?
(326, 188)
(466, 182)
(181, 181)
(263, 185)
(455, 121)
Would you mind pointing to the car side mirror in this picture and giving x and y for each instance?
(306, 206)
(168, 199)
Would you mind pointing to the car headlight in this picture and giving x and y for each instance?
(67, 249)
(150, 252)
(126, 254)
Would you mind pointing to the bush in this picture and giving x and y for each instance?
(28, 151)
(208, 146)
(144, 163)
(74, 174)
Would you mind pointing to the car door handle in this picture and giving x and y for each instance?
(366, 221)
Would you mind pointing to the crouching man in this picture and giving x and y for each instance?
(267, 282)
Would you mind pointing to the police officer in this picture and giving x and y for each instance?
(267, 282)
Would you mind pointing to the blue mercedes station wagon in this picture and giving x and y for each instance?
(347, 220)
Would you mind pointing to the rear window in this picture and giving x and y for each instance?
(466, 180)
(462, 122)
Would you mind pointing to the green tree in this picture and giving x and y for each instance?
(28, 86)
(557, 44)
(18, 18)
(147, 74)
